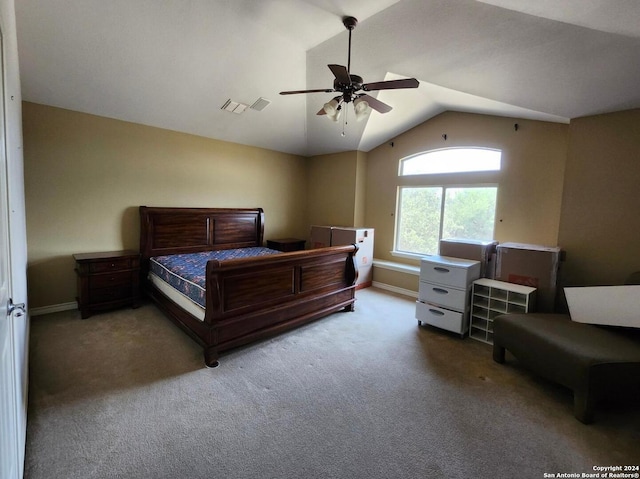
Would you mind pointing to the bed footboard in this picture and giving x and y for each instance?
(249, 299)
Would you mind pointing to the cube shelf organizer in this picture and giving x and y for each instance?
(491, 298)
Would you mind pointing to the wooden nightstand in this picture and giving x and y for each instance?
(107, 280)
(286, 244)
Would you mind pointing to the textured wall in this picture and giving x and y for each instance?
(600, 222)
(530, 183)
(85, 176)
(332, 187)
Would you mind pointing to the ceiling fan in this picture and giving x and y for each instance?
(350, 86)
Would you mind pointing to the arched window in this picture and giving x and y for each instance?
(451, 160)
(430, 209)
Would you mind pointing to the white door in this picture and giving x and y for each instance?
(9, 455)
(13, 325)
(8, 417)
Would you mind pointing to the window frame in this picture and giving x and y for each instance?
(470, 179)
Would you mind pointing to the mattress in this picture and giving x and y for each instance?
(185, 274)
(191, 307)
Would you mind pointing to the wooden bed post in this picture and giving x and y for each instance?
(211, 356)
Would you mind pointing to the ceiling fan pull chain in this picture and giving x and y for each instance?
(344, 122)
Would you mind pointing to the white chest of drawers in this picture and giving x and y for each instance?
(444, 292)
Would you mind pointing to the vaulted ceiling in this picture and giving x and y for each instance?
(173, 64)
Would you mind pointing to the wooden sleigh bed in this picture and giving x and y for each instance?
(245, 299)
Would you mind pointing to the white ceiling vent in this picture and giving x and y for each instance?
(234, 106)
(260, 104)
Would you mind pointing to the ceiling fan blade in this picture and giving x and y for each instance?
(376, 104)
(391, 84)
(294, 92)
(341, 73)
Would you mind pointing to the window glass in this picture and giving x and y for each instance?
(451, 160)
(427, 214)
(469, 213)
(431, 211)
(418, 213)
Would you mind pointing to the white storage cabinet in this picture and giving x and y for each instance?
(491, 298)
(444, 292)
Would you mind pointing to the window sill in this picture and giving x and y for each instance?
(399, 267)
(403, 254)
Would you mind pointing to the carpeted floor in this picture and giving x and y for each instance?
(367, 394)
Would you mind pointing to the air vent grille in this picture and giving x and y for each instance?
(260, 104)
(234, 107)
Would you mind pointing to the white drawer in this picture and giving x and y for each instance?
(441, 295)
(454, 272)
(442, 318)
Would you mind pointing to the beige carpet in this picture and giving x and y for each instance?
(367, 394)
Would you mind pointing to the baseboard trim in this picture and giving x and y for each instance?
(54, 308)
(395, 289)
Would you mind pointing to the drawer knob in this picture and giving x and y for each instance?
(440, 291)
(440, 269)
(436, 312)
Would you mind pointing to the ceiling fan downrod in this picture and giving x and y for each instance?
(349, 23)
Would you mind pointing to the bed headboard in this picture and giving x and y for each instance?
(189, 230)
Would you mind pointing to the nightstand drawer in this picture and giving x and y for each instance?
(115, 264)
(114, 293)
(113, 279)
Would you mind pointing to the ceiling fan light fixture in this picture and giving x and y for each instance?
(333, 109)
(336, 115)
(361, 108)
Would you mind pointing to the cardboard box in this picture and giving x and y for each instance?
(320, 236)
(530, 265)
(483, 251)
(609, 305)
(363, 237)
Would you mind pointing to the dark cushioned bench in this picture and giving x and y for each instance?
(587, 359)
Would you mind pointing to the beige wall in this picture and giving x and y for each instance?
(600, 222)
(333, 181)
(530, 183)
(398, 281)
(337, 189)
(359, 215)
(85, 176)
